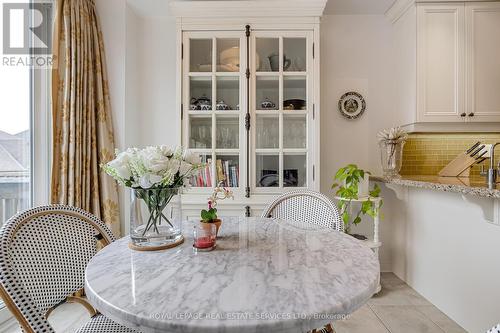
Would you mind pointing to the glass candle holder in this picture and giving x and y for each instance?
(205, 235)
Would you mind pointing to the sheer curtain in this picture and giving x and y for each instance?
(82, 125)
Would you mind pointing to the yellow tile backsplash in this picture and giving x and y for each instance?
(428, 153)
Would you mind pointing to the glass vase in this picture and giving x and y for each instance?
(156, 218)
(391, 154)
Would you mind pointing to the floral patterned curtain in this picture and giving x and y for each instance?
(82, 125)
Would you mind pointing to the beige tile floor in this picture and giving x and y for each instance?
(396, 309)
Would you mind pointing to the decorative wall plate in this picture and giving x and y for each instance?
(352, 105)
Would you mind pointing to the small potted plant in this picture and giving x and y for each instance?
(210, 216)
(352, 179)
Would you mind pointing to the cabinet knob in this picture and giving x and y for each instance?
(463, 115)
(471, 114)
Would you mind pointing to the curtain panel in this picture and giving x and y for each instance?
(81, 114)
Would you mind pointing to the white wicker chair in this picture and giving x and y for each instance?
(43, 255)
(495, 329)
(305, 206)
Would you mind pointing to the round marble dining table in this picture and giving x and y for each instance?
(264, 276)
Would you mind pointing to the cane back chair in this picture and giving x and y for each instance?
(305, 206)
(43, 255)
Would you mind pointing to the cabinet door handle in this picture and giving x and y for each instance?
(471, 114)
(463, 115)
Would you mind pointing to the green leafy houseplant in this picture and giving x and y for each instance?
(350, 177)
(210, 215)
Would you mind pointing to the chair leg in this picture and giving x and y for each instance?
(82, 301)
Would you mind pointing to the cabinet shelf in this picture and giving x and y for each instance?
(209, 113)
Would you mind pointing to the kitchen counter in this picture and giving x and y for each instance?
(471, 186)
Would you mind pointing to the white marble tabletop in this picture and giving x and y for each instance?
(265, 276)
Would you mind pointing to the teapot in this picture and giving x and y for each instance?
(267, 105)
(202, 103)
(221, 105)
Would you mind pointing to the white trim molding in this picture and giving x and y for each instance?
(401, 6)
(398, 9)
(247, 8)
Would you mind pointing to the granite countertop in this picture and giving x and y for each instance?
(473, 186)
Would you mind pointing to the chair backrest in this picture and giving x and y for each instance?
(495, 329)
(43, 255)
(305, 206)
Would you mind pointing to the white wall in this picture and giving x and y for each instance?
(133, 53)
(140, 56)
(159, 114)
(356, 55)
(114, 34)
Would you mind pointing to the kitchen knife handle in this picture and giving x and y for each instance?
(478, 150)
(473, 147)
(481, 155)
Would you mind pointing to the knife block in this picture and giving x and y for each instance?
(459, 167)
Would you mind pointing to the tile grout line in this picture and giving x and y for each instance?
(380, 319)
(426, 316)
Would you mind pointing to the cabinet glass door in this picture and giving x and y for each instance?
(282, 108)
(213, 78)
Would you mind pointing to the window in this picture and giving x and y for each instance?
(24, 140)
(15, 141)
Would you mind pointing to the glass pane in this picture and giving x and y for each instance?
(228, 93)
(267, 131)
(294, 131)
(294, 170)
(267, 58)
(227, 132)
(228, 170)
(200, 90)
(204, 176)
(228, 55)
(294, 50)
(267, 96)
(267, 168)
(200, 132)
(294, 93)
(15, 148)
(200, 55)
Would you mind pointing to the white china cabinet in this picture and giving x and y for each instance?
(249, 99)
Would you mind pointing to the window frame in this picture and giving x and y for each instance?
(40, 148)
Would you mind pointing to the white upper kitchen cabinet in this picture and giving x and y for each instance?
(440, 63)
(482, 44)
(447, 68)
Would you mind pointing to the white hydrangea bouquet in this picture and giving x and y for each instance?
(156, 174)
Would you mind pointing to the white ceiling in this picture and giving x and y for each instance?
(357, 7)
(333, 7)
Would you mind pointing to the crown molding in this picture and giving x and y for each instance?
(398, 9)
(247, 8)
